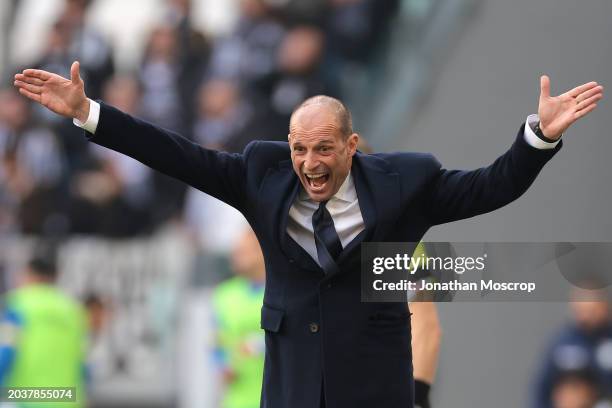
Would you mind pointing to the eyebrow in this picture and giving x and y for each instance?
(328, 139)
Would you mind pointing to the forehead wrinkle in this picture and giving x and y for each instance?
(323, 131)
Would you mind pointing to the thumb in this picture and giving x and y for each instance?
(75, 77)
(544, 86)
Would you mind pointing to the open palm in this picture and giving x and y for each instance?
(63, 96)
(557, 113)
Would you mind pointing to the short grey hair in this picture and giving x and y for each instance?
(343, 114)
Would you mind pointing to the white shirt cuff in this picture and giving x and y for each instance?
(532, 139)
(91, 124)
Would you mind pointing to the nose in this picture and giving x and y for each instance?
(311, 162)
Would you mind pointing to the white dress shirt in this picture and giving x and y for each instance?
(343, 206)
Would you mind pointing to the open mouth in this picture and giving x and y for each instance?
(317, 181)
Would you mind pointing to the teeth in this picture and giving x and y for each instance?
(315, 176)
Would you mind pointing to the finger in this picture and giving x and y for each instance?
(29, 80)
(544, 86)
(31, 88)
(37, 73)
(30, 95)
(585, 95)
(582, 88)
(585, 111)
(584, 104)
(75, 77)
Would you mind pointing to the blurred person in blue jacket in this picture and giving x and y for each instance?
(583, 345)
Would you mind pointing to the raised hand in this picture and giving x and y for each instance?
(63, 96)
(557, 113)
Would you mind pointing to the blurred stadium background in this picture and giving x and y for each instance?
(453, 77)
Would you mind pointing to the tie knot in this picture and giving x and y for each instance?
(322, 204)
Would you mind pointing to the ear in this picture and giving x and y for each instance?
(352, 142)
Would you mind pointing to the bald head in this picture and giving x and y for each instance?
(327, 104)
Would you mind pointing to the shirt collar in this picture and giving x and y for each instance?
(345, 193)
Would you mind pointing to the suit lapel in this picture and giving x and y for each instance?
(383, 186)
(280, 188)
(378, 193)
(287, 181)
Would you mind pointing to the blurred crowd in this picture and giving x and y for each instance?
(219, 92)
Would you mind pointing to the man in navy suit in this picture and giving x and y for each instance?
(311, 202)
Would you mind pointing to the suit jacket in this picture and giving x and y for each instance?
(318, 332)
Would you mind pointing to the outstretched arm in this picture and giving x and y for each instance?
(219, 174)
(456, 194)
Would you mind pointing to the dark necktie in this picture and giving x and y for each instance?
(326, 238)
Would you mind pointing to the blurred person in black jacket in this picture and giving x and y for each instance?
(297, 12)
(193, 53)
(356, 27)
(249, 52)
(32, 169)
(159, 75)
(296, 78)
(577, 389)
(112, 197)
(89, 46)
(583, 345)
(161, 104)
(222, 114)
(71, 38)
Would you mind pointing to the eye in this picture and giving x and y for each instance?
(325, 148)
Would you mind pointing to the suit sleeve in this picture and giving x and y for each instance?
(456, 194)
(220, 174)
